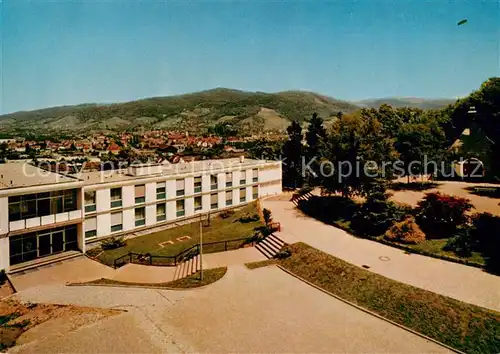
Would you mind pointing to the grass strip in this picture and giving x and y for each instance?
(192, 281)
(260, 264)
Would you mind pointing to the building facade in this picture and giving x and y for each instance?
(46, 215)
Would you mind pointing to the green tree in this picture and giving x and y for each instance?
(358, 152)
(315, 139)
(293, 153)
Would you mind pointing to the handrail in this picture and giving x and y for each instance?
(178, 257)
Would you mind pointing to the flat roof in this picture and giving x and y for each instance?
(16, 175)
(167, 170)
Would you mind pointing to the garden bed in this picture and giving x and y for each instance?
(463, 326)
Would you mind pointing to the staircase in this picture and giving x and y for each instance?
(296, 197)
(270, 245)
(188, 267)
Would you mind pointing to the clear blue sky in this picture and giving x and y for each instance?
(68, 52)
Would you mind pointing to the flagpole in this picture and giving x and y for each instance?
(201, 247)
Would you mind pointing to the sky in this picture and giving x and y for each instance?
(69, 52)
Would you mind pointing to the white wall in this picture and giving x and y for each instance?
(4, 253)
(150, 193)
(103, 224)
(171, 212)
(189, 185)
(103, 200)
(171, 189)
(128, 219)
(151, 214)
(128, 196)
(189, 206)
(4, 215)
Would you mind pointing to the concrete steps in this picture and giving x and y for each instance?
(188, 267)
(270, 246)
(45, 261)
(297, 199)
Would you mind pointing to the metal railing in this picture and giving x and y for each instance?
(193, 251)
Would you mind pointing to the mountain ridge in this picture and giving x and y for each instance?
(244, 111)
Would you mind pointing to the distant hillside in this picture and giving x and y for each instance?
(196, 112)
(412, 102)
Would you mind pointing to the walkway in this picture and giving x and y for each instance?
(261, 310)
(461, 282)
(83, 269)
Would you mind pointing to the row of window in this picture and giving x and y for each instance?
(42, 204)
(161, 190)
(161, 211)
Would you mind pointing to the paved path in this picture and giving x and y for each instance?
(261, 310)
(84, 269)
(461, 282)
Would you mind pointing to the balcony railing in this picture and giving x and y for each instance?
(45, 220)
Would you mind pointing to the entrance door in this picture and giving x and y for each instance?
(57, 242)
(44, 245)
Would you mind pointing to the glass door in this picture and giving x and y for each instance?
(44, 248)
(57, 242)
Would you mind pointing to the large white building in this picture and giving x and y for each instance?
(44, 213)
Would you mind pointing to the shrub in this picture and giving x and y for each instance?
(226, 213)
(328, 208)
(113, 242)
(486, 240)
(377, 214)
(283, 254)
(248, 218)
(406, 231)
(268, 218)
(440, 215)
(462, 244)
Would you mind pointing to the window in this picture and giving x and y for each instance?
(116, 197)
(255, 175)
(255, 192)
(179, 184)
(140, 216)
(214, 201)
(229, 198)
(197, 184)
(140, 194)
(179, 207)
(161, 212)
(161, 190)
(116, 222)
(90, 227)
(243, 195)
(197, 203)
(229, 179)
(90, 201)
(243, 177)
(213, 182)
(35, 205)
(43, 243)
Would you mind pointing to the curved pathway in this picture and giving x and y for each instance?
(248, 311)
(458, 281)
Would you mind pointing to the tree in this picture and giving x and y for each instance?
(293, 152)
(315, 138)
(358, 152)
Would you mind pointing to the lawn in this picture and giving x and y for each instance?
(466, 327)
(436, 247)
(219, 230)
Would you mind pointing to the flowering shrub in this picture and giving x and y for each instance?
(440, 215)
(406, 231)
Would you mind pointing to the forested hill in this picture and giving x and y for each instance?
(247, 112)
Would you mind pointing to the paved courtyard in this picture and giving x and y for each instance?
(262, 310)
(458, 281)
